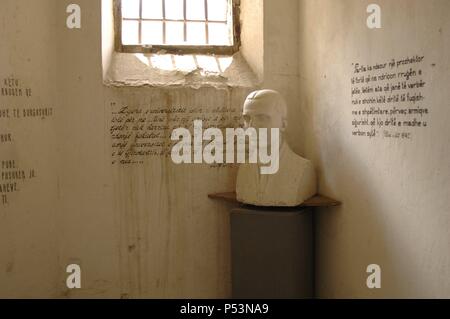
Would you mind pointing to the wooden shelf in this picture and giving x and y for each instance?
(316, 201)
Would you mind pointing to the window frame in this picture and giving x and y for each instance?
(178, 49)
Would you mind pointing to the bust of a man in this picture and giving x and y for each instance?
(295, 180)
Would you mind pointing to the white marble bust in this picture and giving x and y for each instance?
(295, 180)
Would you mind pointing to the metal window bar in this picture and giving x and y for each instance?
(140, 22)
(173, 20)
(164, 20)
(184, 23)
(206, 22)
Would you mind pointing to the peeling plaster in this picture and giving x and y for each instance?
(137, 70)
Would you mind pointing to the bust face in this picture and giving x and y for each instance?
(260, 112)
(265, 109)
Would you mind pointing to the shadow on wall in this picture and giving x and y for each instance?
(381, 220)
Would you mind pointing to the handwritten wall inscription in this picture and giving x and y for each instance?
(141, 132)
(12, 87)
(388, 99)
(15, 105)
(11, 175)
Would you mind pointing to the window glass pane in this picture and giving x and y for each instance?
(218, 34)
(152, 9)
(152, 32)
(174, 33)
(217, 10)
(174, 9)
(196, 33)
(195, 9)
(130, 9)
(130, 32)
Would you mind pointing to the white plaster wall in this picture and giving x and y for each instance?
(395, 193)
(144, 230)
(281, 71)
(87, 217)
(29, 233)
(252, 35)
(141, 231)
(150, 231)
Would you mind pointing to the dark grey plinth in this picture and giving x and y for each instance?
(272, 253)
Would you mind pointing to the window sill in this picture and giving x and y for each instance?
(171, 71)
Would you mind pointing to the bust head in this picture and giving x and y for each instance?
(265, 109)
(290, 179)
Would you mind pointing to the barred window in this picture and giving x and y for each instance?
(177, 26)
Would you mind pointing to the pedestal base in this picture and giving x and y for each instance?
(272, 253)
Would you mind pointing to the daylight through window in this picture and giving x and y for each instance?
(180, 24)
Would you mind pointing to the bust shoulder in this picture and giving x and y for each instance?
(291, 161)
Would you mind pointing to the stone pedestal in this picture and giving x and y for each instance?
(272, 253)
